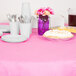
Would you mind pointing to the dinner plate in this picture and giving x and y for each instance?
(14, 38)
(65, 39)
(58, 35)
(59, 38)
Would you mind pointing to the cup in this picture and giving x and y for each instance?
(14, 28)
(25, 29)
(72, 17)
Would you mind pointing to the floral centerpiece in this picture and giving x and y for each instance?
(43, 19)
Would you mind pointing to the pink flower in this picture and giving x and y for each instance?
(50, 10)
(40, 11)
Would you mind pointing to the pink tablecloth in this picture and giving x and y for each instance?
(38, 57)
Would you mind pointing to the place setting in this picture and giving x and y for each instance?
(19, 27)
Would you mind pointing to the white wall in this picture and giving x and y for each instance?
(14, 6)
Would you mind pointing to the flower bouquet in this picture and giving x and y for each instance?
(43, 19)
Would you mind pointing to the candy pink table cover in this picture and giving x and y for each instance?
(38, 57)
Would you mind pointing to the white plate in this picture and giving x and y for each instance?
(12, 38)
(1, 33)
(4, 28)
(59, 39)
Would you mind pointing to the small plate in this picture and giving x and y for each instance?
(14, 38)
(1, 33)
(4, 28)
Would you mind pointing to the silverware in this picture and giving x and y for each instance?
(21, 19)
(9, 17)
(12, 18)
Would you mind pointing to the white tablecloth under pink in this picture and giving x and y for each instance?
(38, 57)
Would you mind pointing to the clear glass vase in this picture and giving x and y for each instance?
(43, 24)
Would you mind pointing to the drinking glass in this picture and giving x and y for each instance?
(72, 17)
(25, 29)
(14, 28)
